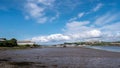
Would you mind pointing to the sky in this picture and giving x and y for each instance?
(58, 21)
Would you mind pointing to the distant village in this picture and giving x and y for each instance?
(88, 43)
(13, 42)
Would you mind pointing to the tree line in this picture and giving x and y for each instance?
(8, 43)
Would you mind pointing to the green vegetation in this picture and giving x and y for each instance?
(19, 47)
(8, 43)
(12, 44)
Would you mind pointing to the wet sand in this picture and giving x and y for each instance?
(59, 58)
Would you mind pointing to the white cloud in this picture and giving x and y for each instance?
(82, 30)
(36, 9)
(74, 31)
(97, 7)
(77, 23)
(85, 34)
(78, 30)
(73, 19)
(77, 17)
(111, 27)
(51, 38)
(94, 33)
(106, 18)
(76, 26)
(110, 32)
(67, 37)
(42, 20)
(55, 17)
(80, 15)
(46, 2)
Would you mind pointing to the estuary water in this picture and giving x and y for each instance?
(107, 48)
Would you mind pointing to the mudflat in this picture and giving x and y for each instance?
(79, 57)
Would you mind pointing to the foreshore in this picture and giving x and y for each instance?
(76, 57)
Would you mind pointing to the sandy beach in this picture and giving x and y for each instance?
(59, 58)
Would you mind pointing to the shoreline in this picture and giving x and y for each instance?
(105, 48)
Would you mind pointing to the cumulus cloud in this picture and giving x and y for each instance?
(51, 38)
(36, 9)
(85, 31)
(101, 28)
(79, 29)
(85, 35)
(94, 33)
(67, 37)
(73, 31)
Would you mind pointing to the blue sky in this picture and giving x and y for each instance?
(49, 21)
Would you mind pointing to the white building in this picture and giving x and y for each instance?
(25, 43)
(2, 39)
